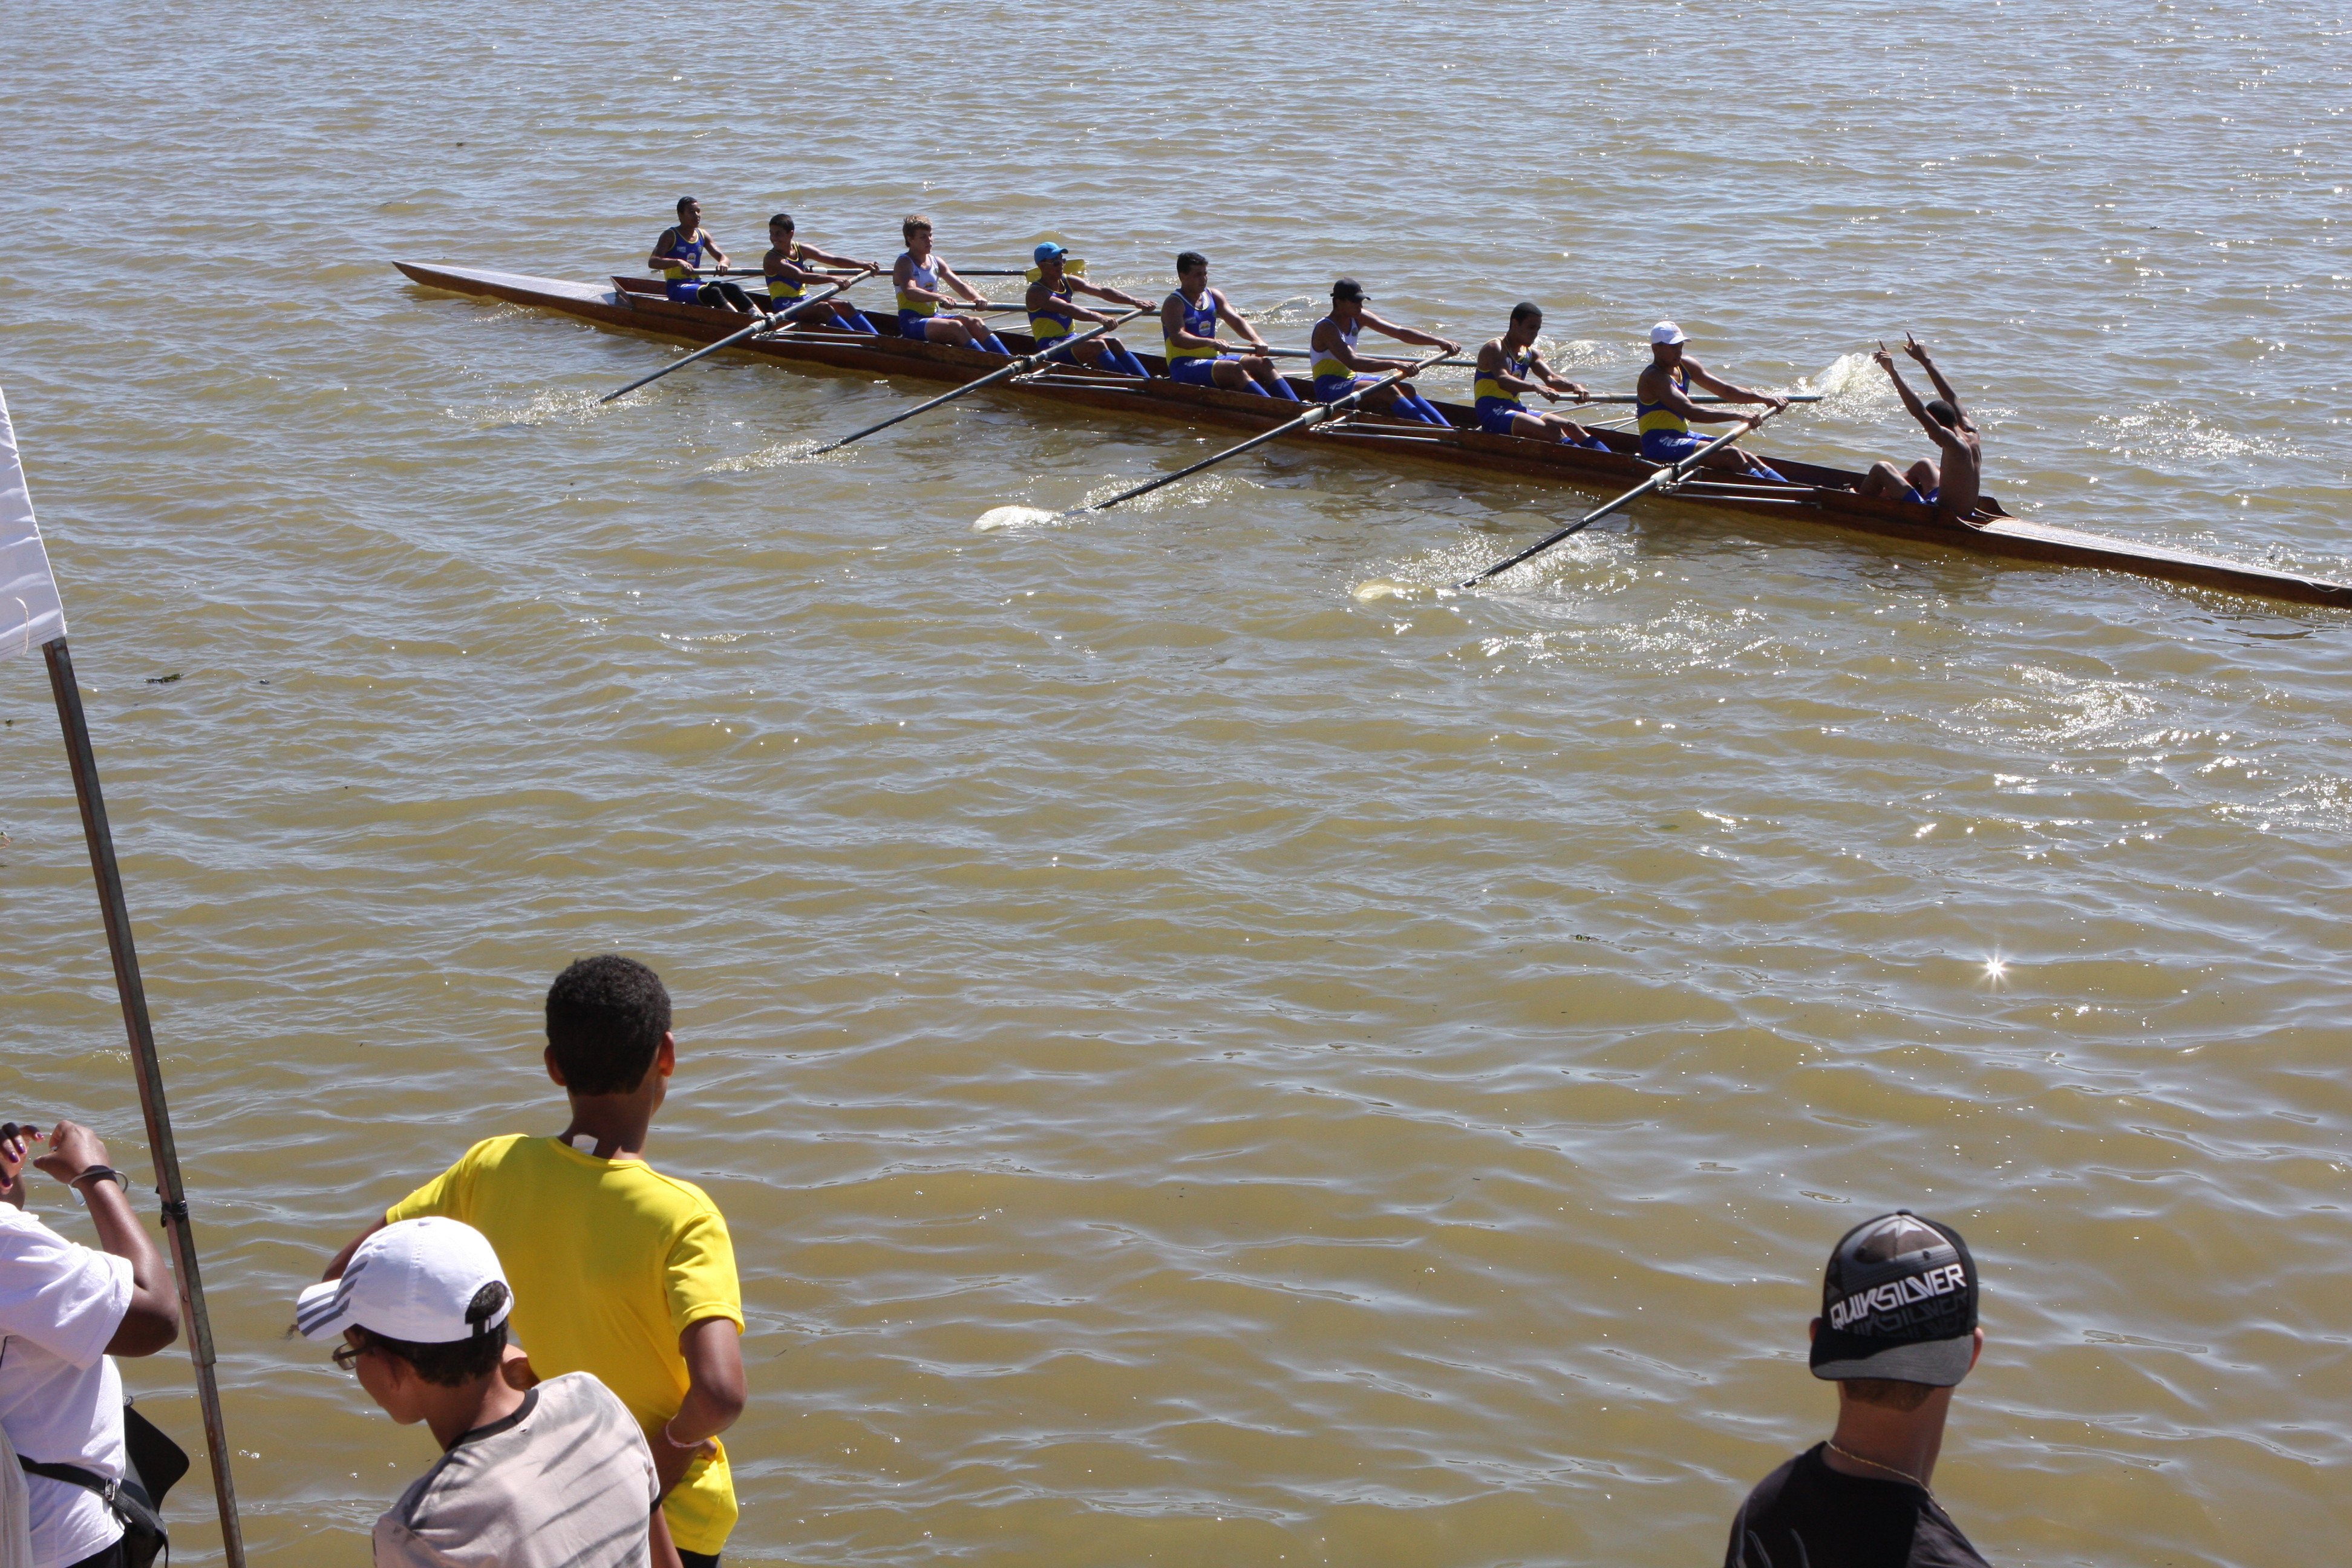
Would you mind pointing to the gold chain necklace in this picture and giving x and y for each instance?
(1874, 1464)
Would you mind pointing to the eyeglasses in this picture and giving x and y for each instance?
(347, 1356)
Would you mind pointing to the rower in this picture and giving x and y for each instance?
(677, 256)
(1196, 355)
(1337, 361)
(1511, 366)
(1664, 410)
(1954, 491)
(786, 267)
(919, 275)
(1052, 314)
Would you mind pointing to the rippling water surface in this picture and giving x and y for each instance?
(1209, 1060)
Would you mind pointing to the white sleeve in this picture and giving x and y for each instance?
(62, 1295)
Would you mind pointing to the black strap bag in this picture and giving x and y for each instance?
(153, 1463)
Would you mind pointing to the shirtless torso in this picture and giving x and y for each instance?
(1955, 487)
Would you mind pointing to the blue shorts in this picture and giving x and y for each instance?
(910, 325)
(1668, 446)
(1495, 414)
(682, 289)
(1197, 372)
(1332, 388)
(1928, 500)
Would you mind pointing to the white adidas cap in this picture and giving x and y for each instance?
(414, 1281)
(1667, 332)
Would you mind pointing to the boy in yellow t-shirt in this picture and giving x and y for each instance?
(617, 1269)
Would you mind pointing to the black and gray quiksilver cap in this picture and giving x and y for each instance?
(1899, 1302)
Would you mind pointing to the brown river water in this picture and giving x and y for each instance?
(1212, 1053)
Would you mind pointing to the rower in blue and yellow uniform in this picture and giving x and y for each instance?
(677, 255)
(1663, 409)
(923, 279)
(1511, 366)
(1196, 355)
(790, 276)
(1054, 315)
(1337, 361)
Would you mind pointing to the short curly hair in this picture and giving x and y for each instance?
(606, 1018)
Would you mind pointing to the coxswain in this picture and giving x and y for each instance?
(1953, 492)
(1196, 355)
(922, 277)
(1511, 366)
(1337, 363)
(1663, 409)
(678, 257)
(786, 267)
(1052, 314)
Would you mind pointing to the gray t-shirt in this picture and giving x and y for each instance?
(567, 1480)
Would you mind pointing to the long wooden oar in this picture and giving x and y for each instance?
(780, 321)
(1314, 415)
(1671, 474)
(1026, 361)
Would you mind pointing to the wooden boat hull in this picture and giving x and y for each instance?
(1822, 495)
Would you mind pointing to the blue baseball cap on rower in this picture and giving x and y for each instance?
(1048, 251)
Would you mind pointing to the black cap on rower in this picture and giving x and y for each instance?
(1898, 1300)
(1348, 288)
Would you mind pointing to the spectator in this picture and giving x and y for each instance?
(618, 1270)
(64, 1309)
(551, 1476)
(1897, 1332)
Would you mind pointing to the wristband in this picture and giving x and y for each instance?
(103, 1173)
(673, 1442)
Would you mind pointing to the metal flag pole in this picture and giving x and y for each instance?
(135, 1022)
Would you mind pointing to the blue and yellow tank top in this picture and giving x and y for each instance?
(782, 288)
(1200, 320)
(1325, 367)
(923, 277)
(1658, 417)
(1052, 326)
(685, 254)
(1486, 386)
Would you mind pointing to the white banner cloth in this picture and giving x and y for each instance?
(30, 611)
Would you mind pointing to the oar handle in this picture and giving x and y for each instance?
(784, 321)
(780, 322)
(757, 272)
(1635, 397)
(1314, 415)
(1671, 473)
(1026, 361)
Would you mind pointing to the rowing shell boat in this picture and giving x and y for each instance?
(1818, 495)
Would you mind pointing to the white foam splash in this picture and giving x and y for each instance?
(1378, 588)
(1851, 387)
(1004, 516)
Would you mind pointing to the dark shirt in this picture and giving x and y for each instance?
(1806, 1515)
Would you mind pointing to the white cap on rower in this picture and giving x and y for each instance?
(1667, 332)
(416, 1280)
